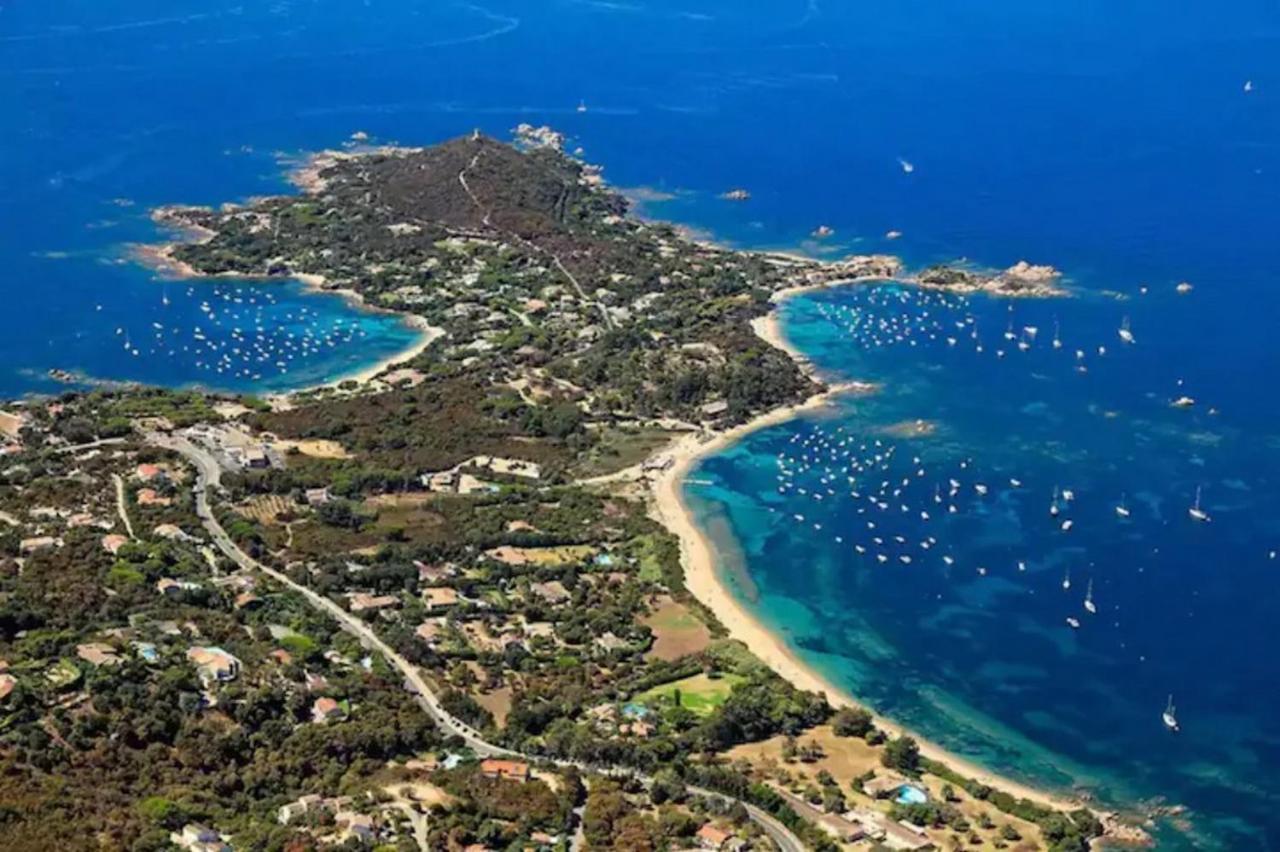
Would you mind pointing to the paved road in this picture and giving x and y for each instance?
(208, 476)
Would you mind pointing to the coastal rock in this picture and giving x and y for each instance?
(1023, 271)
(1021, 279)
(538, 137)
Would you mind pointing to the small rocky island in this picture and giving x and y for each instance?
(1021, 279)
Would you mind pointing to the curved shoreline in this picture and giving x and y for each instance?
(160, 258)
(702, 577)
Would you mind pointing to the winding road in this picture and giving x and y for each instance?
(208, 476)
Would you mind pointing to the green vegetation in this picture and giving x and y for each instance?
(701, 694)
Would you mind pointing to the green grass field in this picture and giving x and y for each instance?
(698, 693)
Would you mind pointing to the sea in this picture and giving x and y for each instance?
(1133, 145)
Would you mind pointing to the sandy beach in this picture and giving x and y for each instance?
(702, 576)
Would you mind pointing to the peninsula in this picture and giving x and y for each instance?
(456, 604)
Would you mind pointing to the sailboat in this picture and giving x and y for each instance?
(1057, 339)
(1053, 506)
(1089, 605)
(1125, 334)
(1170, 718)
(1196, 513)
(582, 106)
(1122, 510)
(1066, 581)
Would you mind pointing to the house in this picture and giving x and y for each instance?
(883, 786)
(172, 588)
(443, 481)
(892, 835)
(713, 837)
(98, 654)
(301, 807)
(609, 642)
(326, 709)
(521, 526)
(642, 730)
(198, 838)
(907, 838)
(247, 600)
(363, 602)
(429, 631)
(439, 597)
(317, 496)
(171, 532)
(150, 473)
(511, 770)
(31, 545)
(255, 457)
(715, 409)
(213, 664)
(356, 825)
(553, 592)
(434, 573)
(112, 543)
(150, 497)
(841, 829)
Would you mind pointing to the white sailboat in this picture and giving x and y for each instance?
(1196, 513)
(1089, 605)
(1125, 334)
(1057, 339)
(1066, 581)
(1170, 717)
(1053, 505)
(1122, 510)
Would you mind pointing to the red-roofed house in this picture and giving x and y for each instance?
(713, 837)
(326, 709)
(512, 770)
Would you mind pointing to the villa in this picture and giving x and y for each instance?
(213, 664)
(439, 597)
(511, 770)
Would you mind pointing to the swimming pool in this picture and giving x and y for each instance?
(909, 794)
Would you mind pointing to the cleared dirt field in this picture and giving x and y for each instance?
(676, 631)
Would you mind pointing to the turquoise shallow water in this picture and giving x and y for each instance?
(946, 607)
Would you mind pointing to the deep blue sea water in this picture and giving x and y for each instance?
(1113, 140)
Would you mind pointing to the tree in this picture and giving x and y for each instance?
(852, 722)
(902, 754)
